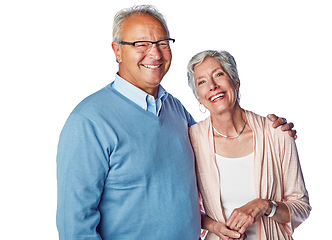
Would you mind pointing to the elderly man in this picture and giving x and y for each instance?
(125, 166)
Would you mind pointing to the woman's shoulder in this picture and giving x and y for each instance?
(255, 118)
(264, 124)
(201, 125)
(199, 132)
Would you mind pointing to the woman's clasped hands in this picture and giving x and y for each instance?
(241, 219)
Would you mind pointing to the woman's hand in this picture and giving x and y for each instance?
(220, 229)
(243, 217)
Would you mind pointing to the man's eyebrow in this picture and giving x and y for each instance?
(145, 39)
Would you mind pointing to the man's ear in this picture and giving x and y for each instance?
(117, 51)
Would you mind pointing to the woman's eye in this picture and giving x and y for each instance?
(220, 74)
(200, 82)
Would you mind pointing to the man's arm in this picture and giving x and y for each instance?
(81, 172)
(277, 121)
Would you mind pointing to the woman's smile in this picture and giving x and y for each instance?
(218, 96)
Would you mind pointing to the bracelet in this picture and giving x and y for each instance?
(273, 210)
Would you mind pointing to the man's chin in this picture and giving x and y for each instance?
(154, 79)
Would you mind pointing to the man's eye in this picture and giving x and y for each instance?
(142, 44)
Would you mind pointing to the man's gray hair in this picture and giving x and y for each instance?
(140, 9)
(226, 60)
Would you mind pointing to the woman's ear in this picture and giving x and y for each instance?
(237, 85)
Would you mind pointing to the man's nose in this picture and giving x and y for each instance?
(155, 52)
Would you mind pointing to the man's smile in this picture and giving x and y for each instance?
(151, 66)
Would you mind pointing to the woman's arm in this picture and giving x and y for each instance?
(281, 215)
(243, 217)
(296, 197)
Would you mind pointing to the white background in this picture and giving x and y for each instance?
(55, 53)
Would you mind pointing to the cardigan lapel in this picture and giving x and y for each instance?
(208, 171)
(258, 142)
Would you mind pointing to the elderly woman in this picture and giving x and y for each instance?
(249, 174)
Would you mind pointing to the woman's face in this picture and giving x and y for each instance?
(215, 89)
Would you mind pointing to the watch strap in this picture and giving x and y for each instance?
(274, 208)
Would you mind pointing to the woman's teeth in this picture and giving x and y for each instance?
(217, 96)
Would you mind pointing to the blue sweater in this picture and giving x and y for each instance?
(125, 173)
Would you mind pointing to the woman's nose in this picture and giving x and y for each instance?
(213, 85)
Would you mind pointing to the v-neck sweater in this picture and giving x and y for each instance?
(125, 173)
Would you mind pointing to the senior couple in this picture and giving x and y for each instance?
(127, 168)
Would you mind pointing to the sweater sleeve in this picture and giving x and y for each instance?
(82, 167)
(296, 197)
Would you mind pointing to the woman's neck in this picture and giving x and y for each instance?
(229, 123)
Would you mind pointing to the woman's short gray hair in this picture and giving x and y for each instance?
(140, 9)
(226, 60)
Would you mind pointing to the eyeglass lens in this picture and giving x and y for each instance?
(145, 46)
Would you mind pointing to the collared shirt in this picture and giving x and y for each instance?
(138, 96)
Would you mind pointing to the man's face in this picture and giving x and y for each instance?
(144, 70)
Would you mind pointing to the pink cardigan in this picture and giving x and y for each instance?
(277, 172)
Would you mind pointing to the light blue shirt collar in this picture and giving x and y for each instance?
(138, 96)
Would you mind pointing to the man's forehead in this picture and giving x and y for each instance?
(139, 25)
(140, 17)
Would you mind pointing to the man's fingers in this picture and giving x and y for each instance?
(272, 117)
(292, 133)
(287, 126)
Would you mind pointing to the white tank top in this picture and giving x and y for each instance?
(237, 185)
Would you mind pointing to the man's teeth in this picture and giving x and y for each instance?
(151, 66)
(217, 96)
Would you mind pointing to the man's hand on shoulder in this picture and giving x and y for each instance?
(280, 121)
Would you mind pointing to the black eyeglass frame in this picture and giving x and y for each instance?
(156, 42)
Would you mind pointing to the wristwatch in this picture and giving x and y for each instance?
(273, 210)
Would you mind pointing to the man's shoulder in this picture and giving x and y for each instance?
(180, 108)
(171, 98)
(96, 100)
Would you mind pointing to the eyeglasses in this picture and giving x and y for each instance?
(145, 46)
